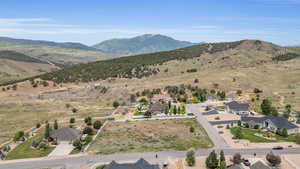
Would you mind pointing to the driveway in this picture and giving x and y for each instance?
(223, 122)
(63, 149)
(213, 134)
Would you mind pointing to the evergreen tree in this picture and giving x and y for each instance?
(266, 107)
(223, 165)
(222, 156)
(190, 158)
(212, 161)
(47, 131)
(55, 126)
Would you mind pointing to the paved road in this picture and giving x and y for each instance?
(213, 134)
(84, 162)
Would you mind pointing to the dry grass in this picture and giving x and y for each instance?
(18, 113)
(153, 135)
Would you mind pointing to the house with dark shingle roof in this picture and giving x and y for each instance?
(65, 134)
(235, 167)
(260, 165)
(237, 108)
(271, 123)
(140, 164)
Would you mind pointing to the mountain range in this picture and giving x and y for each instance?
(148, 43)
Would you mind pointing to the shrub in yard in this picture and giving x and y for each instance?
(88, 121)
(192, 129)
(256, 127)
(88, 139)
(88, 130)
(74, 110)
(246, 125)
(42, 146)
(72, 120)
(273, 159)
(18, 136)
(237, 159)
(217, 118)
(239, 123)
(101, 167)
(38, 125)
(116, 104)
(97, 125)
(190, 158)
(238, 133)
(227, 126)
(77, 144)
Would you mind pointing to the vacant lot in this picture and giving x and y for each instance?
(152, 135)
(25, 150)
(18, 113)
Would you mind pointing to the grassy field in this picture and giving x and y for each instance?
(249, 134)
(21, 114)
(24, 150)
(156, 135)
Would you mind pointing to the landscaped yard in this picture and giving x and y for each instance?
(25, 150)
(249, 134)
(152, 135)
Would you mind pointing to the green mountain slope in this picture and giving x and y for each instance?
(141, 44)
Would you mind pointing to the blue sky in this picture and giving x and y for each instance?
(92, 21)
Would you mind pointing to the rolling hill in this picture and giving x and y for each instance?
(147, 43)
(60, 54)
(14, 65)
(246, 53)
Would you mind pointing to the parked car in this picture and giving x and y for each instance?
(277, 148)
(191, 114)
(246, 162)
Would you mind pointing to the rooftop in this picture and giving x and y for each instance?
(65, 134)
(140, 164)
(236, 106)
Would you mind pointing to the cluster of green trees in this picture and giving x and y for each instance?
(212, 161)
(285, 57)
(137, 66)
(267, 108)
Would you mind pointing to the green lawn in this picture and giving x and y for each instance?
(24, 150)
(249, 134)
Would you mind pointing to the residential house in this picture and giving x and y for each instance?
(65, 134)
(231, 96)
(271, 123)
(140, 164)
(260, 165)
(237, 108)
(2, 155)
(157, 108)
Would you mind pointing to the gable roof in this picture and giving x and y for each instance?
(259, 165)
(279, 122)
(140, 164)
(235, 167)
(236, 106)
(65, 134)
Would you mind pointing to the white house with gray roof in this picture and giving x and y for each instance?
(237, 108)
(271, 123)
